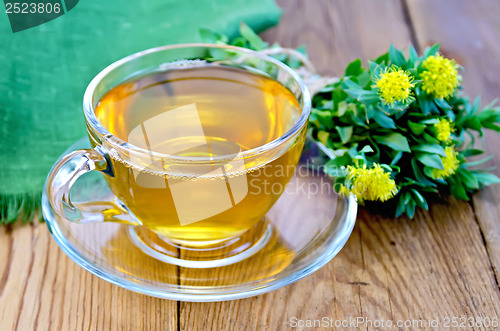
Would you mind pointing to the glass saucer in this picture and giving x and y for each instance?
(309, 225)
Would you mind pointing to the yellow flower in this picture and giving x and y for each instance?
(370, 184)
(344, 191)
(395, 85)
(450, 163)
(440, 76)
(444, 129)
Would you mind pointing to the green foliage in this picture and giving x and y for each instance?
(403, 136)
(247, 39)
(351, 119)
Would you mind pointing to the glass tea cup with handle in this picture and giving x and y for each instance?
(196, 143)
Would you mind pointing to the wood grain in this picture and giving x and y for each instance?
(474, 44)
(434, 266)
(42, 289)
(337, 32)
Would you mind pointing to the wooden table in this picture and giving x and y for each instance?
(443, 264)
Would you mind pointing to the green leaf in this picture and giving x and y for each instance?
(451, 115)
(430, 160)
(396, 158)
(255, 41)
(338, 184)
(375, 68)
(472, 152)
(413, 58)
(324, 104)
(323, 137)
(323, 118)
(441, 103)
(366, 149)
(427, 105)
(430, 148)
(348, 84)
(396, 57)
(345, 133)
(387, 167)
(368, 97)
(478, 162)
(430, 139)
(419, 199)
(410, 208)
(486, 179)
(338, 95)
(492, 126)
(354, 68)
(353, 151)
(241, 42)
(430, 121)
(400, 207)
(340, 161)
(383, 120)
(484, 170)
(365, 79)
(342, 108)
(218, 54)
(382, 58)
(476, 105)
(335, 172)
(428, 171)
(212, 37)
(473, 123)
(489, 115)
(407, 198)
(457, 188)
(431, 51)
(355, 93)
(302, 49)
(416, 128)
(396, 141)
(469, 180)
(419, 175)
(327, 88)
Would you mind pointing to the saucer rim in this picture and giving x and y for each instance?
(329, 252)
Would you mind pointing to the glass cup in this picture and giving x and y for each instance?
(203, 205)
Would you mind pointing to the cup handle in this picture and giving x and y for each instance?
(65, 173)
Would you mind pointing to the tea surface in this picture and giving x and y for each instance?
(205, 111)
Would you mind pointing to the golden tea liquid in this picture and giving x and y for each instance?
(213, 112)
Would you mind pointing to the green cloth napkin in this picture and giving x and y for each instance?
(44, 72)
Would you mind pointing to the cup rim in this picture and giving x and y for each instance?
(116, 142)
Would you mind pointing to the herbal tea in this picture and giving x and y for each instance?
(209, 112)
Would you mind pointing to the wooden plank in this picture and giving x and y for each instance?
(262, 311)
(468, 32)
(338, 32)
(433, 266)
(335, 33)
(42, 289)
(332, 291)
(436, 264)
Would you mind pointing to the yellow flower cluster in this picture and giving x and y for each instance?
(370, 184)
(444, 129)
(440, 76)
(395, 85)
(450, 163)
